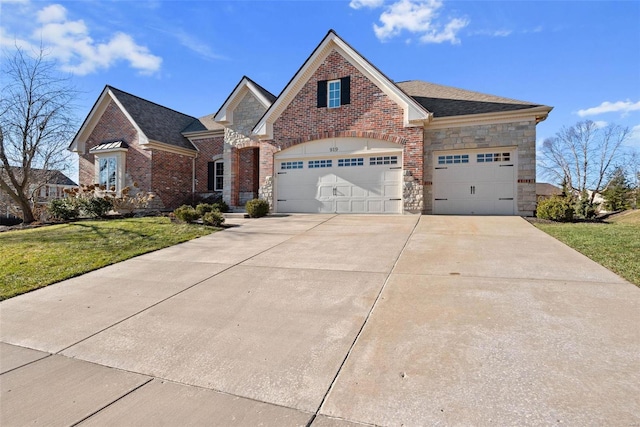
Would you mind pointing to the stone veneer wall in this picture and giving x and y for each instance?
(239, 156)
(521, 134)
(371, 113)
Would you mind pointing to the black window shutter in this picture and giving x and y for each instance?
(345, 90)
(211, 173)
(322, 93)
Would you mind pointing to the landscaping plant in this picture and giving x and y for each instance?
(257, 208)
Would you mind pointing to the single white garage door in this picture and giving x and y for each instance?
(341, 184)
(474, 182)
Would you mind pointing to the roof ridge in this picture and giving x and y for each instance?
(151, 102)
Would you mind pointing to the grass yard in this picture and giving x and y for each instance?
(615, 244)
(31, 259)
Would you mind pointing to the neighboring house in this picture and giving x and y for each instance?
(546, 191)
(47, 185)
(340, 137)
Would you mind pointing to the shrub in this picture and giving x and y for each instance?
(257, 208)
(96, 207)
(222, 206)
(214, 218)
(204, 208)
(556, 208)
(64, 209)
(186, 213)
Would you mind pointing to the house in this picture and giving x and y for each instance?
(45, 186)
(340, 137)
(546, 191)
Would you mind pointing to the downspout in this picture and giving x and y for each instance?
(193, 177)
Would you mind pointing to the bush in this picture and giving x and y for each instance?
(214, 218)
(257, 208)
(222, 206)
(204, 208)
(556, 208)
(96, 207)
(64, 209)
(186, 213)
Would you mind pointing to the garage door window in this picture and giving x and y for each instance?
(453, 159)
(356, 161)
(313, 164)
(291, 165)
(493, 157)
(383, 160)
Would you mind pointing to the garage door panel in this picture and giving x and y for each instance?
(482, 185)
(344, 184)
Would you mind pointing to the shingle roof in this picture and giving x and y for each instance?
(47, 176)
(157, 122)
(447, 101)
(545, 189)
(204, 123)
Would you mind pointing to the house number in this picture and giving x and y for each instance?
(333, 149)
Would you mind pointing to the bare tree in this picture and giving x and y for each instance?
(582, 155)
(36, 123)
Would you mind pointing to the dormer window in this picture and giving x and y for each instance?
(334, 93)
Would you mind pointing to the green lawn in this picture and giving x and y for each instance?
(614, 244)
(30, 259)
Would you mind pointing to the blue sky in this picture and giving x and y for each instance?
(581, 57)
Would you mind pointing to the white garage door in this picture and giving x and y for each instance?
(474, 182)
(340, 184)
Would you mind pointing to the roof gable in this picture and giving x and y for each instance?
(153, 122)
(413, 112)
(246, 85)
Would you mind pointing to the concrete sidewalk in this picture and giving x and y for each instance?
(329, 320)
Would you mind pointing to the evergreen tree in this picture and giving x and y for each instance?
(618, 194)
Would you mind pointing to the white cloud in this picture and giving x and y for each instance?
(625, 107)
(359, 4)
(192, 43)
(492, 33)
(71, 44)
(600, 124)
(419, 17)
(634, 137)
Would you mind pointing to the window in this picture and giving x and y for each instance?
(453, 158)
(215, 178)
(493, 157)
(383, 160)
(291, 165)
(334, 93)
(107, 172)
(314, 164)
(357, 161)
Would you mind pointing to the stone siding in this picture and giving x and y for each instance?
(520, 134)
(240, 157)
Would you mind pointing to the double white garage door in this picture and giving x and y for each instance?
(347, 175)
(475, 182)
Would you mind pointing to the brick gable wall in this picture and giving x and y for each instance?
(113, 126)
(371, 113)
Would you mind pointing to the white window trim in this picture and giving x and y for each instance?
(329, 93)
(120, 155)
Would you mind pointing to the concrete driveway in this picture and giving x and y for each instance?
(329, 320)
